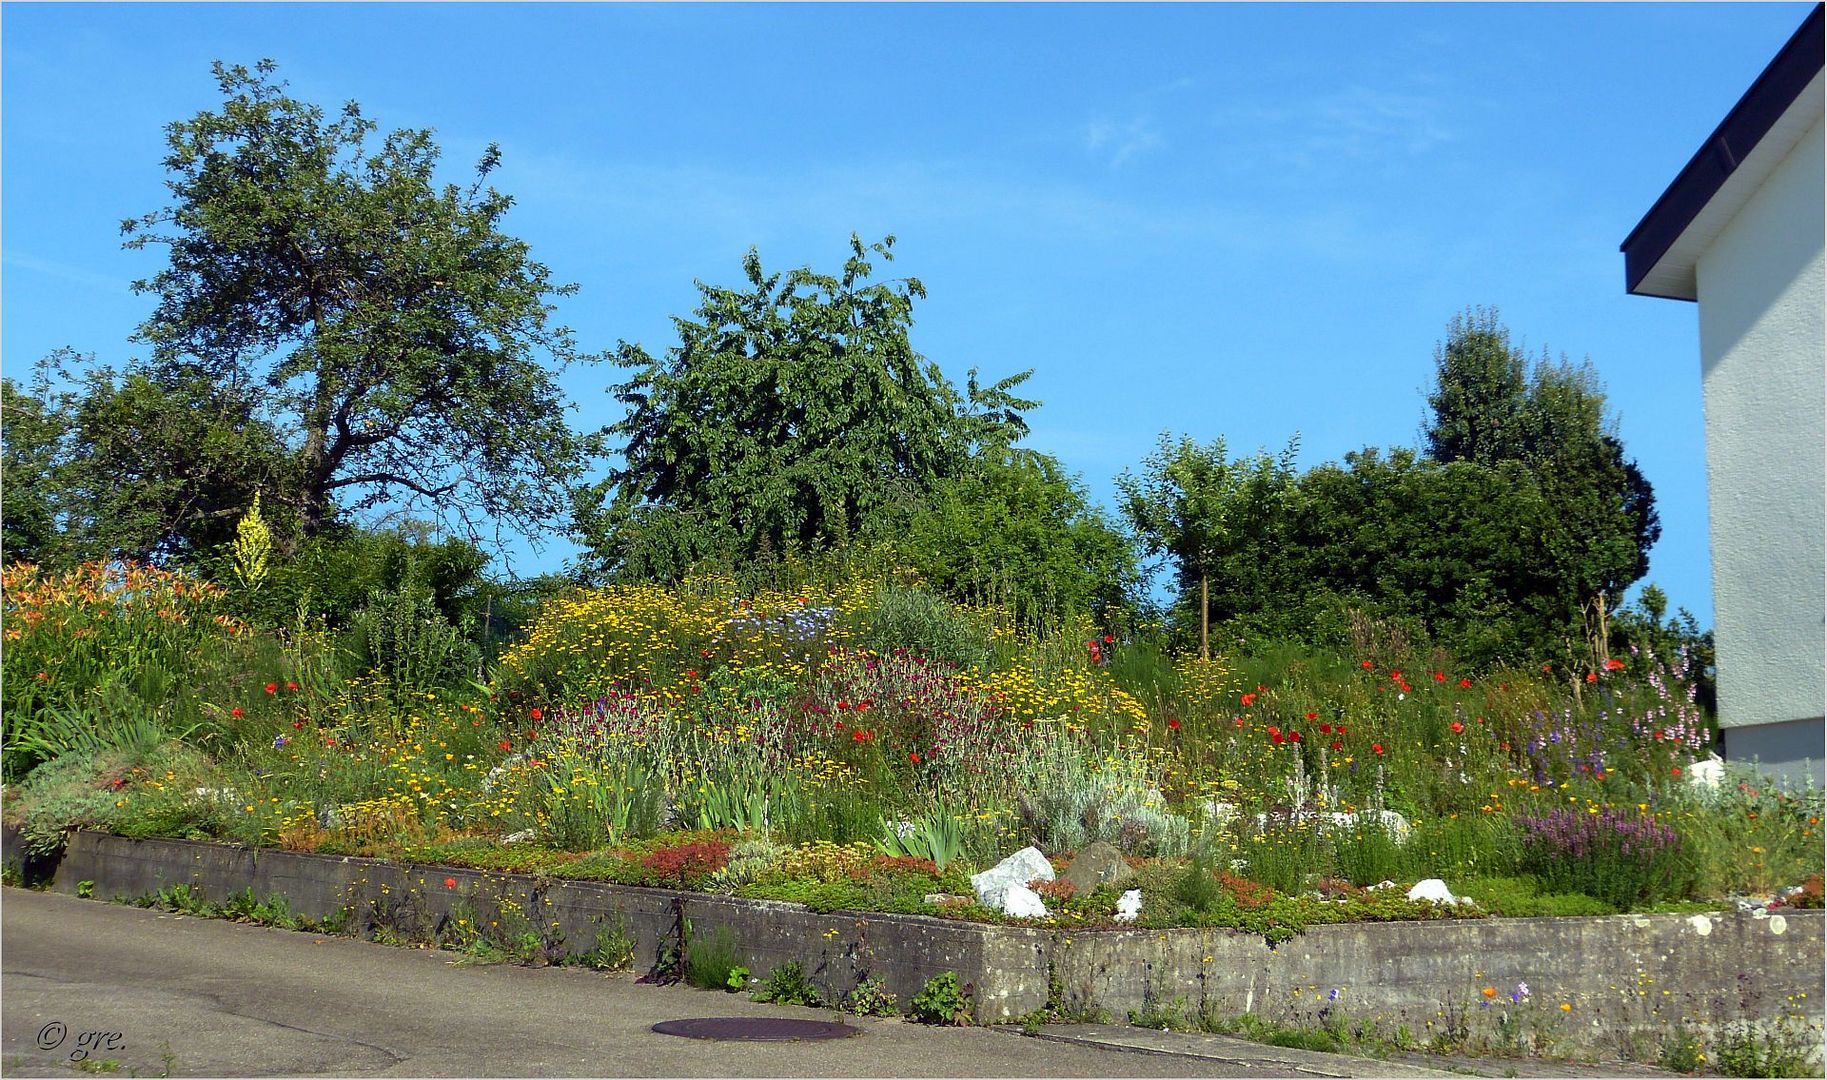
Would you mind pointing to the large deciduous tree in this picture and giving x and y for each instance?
(388, 321)
(793, 413)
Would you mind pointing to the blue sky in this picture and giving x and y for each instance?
(1219, 220)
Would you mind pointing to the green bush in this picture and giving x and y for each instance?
(943, 1001)
(906, 617)
(711, 961)
(788, 985)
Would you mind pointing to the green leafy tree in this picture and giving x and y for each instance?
(30, 446)
(1481, 384)
(1490, 407)
(400, 334)
(145, 465)
(1213, 516)
(1017, 529)
(793, 414)
(1455, 546)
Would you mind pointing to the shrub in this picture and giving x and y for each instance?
(1622, 859)
(788, 985)
(871, 998)
(943, 1001)
(710, 963)
(901, 617)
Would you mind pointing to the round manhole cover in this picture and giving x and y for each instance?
(756, 1029)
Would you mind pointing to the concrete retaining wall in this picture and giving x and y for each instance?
(1621, 978)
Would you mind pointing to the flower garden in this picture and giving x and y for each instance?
(865, 745)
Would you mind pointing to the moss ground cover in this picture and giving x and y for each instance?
(782, 744)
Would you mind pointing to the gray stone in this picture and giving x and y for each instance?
(1099, 864)
(1024, 866)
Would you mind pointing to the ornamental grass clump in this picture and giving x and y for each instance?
(1625, 859)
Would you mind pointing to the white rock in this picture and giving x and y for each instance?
(1023, 903)
(1129, 905)
(1708, 774)
(521, 837)
(1432, 889)
(1382, 885)
(1018, 869)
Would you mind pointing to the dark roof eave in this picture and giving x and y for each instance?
(1770, 95)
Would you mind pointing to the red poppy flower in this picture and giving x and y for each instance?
(1340, 729)
(843, 704)
(1237, 720)
(1336, 745)
(1248, 700)
(1674, 770)
(914, 757)
(236, 712)
(1457, 727)
(272, 688)
(1173, 723)
(536, 714)
(297, 725)
(1592, 676)
(1614, 664)
(291, 686)
(1405, 687)
(1277, 738)
(1109, 640)
(691, 674)
(1439, 676)
(1313, 716)
(1376, 748)
(1366, 665)
(1273, 730)
(1294, 736)
(450, 883)
(1547, 668)
(1325, 729)
(505, 745)
(858, 735)
(1395, 676)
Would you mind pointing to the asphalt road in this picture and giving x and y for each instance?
(156, 992)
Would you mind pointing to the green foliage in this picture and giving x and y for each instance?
(794, 413)
(871, 997)
(1602, 520)
(402, 638)
(1787, 1046)
(908, 617)
(1073, 798)
(612, 950)
(1524, 897)
(936, 836)
(943, 1001)
(1197, 884)
(1214, 517)
(390, 320)
(30, 442)
(711, 962)
(143, 465)
(1016, 531)
(788, 985)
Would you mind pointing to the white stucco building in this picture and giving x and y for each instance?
(1739, 231)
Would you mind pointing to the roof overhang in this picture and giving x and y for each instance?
(1782, 105)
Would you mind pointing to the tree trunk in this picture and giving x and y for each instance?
(1205, 618)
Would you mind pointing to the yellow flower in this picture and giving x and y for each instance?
(1566, 1007)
